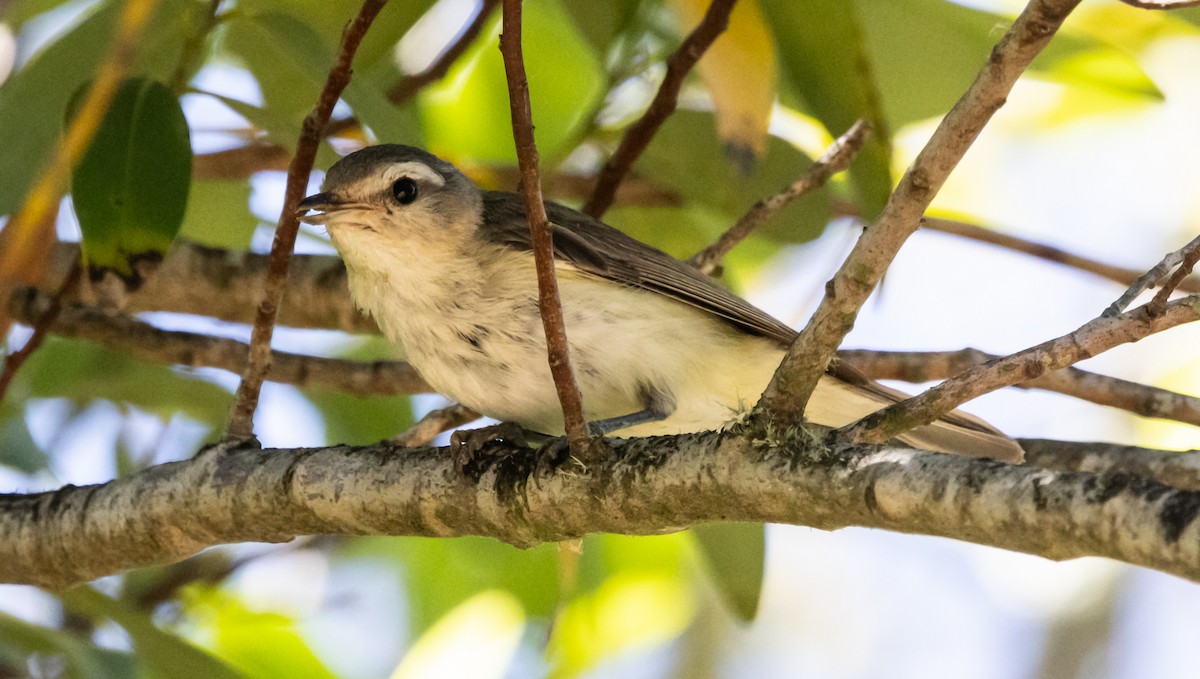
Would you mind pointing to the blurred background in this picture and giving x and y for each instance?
(1097, 152)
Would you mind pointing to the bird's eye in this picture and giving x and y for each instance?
(404, 190)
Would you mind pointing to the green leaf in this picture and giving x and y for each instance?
(130, 189)
(686, 156)
(33, 101)
(827, 65)
(218, 214)
(20, 639)
(83, 372)
(466, 114)
(442, 573)
(17, 448)
(735, 554)
(955, 42)
(291, 61)
(358, 420)
(261, 645)
(164, 654)
(601, 23)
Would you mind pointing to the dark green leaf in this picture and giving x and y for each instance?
(130, 189)
(33, 101)
(735, 554)
(687, 157)
(826, 64)
(164, 654)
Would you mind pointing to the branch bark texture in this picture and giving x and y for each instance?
(649, 486)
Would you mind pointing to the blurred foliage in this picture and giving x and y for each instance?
(593, 67)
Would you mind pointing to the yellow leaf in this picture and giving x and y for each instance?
(739, 72)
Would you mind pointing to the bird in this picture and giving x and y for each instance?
(447, 272)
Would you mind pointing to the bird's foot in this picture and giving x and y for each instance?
(475, 449)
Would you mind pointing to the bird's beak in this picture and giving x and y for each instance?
(322, 203)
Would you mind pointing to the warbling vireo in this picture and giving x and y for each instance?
(447, 272)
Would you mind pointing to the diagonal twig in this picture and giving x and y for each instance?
(836, 158)
(539, 227)
(638, 136)
(435, 422)
(241, 420)
(1134, 397)
(1191, 255)
(1180, 261)
(806, 359)
(1094, 337)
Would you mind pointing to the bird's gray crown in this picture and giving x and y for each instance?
(366, 163)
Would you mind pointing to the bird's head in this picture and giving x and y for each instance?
(394, 193)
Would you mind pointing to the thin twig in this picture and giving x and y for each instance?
(435, 422)
(539, 227)
(639, 134)
(1172, 261)
(241, 420)
(1134, 397)
(41, 326)
(836, 158)
(1049, 253)
(1191, 254)
(142, 341)
(797, 376)
(1094, 337)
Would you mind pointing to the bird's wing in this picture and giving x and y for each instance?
(600, 250)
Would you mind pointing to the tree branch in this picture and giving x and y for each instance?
(927, 366)
(808, 356)
(146, 342)
(837, 158)
(639, 134)
(165, 513)
(1180, 261)
(549, 304)
(241, 419)
(1175, 469)
(1094, 337)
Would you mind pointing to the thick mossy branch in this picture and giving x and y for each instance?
(655, 485)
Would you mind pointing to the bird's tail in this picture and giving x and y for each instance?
(838, 402)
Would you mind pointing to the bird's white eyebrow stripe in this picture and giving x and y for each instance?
(415, 170)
